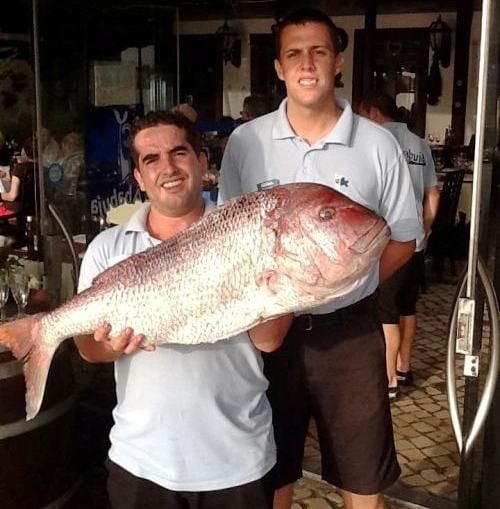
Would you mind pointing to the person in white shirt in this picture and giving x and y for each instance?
(192, 423)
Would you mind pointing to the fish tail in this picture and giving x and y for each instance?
(23, 337)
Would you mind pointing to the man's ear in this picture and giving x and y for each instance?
(278, 69)
(339, 63)
(138, 177)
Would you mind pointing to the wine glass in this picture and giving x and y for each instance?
(4, 293)
(19, 286)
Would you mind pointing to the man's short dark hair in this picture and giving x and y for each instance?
(309, 15)
(156, 118)
(382, 101)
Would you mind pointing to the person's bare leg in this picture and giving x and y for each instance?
(392, 344)
(354, 501)
(408, 326)
(283, 497)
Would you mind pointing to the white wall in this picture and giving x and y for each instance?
(237, 80)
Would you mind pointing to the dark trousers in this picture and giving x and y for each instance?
(127, 491)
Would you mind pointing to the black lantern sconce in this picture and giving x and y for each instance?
(230, 41)
(440, 34)
(440, 40)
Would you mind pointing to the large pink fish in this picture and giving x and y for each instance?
(258, 256)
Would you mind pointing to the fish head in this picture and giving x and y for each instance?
(327, 243)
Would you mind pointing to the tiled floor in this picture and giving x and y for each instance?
(425, 444)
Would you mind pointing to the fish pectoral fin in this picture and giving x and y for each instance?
(269, 280)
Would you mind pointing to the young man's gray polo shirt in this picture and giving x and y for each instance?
(358, 158)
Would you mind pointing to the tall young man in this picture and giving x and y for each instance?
(332, 363)
(192, 423)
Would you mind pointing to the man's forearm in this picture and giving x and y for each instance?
(430, 205)
(268, 336)
(395, 255)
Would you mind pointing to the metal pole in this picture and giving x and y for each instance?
(38, 117)
(478, 152)
(178, 54)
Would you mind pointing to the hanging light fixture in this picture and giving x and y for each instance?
(230, 44)
(440, 40)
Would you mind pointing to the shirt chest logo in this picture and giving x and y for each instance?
(340, 181)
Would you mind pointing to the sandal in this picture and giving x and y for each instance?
(405, 377)
(393, 393)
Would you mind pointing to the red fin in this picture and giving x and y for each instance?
(24, 340)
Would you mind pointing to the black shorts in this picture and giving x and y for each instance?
(333, 369)
(126, 491)
(398, 295)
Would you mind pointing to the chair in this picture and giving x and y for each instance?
(445, 239)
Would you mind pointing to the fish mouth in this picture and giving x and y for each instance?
(373, 236)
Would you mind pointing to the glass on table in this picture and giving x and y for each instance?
(19, 286)
(4, 293)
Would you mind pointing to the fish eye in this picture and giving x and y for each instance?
(326, 213)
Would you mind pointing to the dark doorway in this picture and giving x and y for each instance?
(399, 67)
(201, 75)
(263, 76)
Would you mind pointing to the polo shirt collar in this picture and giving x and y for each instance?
(340, 134)
(138, 220)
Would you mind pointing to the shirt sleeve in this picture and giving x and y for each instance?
(229, 178)
(398, 205)
(94, 262)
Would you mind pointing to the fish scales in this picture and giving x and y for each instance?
(193, 288)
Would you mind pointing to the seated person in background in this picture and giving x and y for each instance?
(72, 161)
(65, 177)
(254, 106)
(50, 148)
(12, 200)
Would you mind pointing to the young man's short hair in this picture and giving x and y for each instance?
(310, 15)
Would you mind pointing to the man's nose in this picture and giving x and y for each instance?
(307, 61)
(168, 164)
